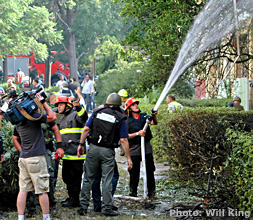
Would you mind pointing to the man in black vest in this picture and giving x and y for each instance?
(135, 123)
(107, 126)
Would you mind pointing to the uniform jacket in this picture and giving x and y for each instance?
(71, 126)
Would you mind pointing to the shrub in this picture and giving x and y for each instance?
(240, 162)
(9, 168)
(5, 86)
(197, 137)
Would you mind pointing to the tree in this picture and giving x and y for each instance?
(25, 28)
(83, 24)
(110, 51)
(159, 29)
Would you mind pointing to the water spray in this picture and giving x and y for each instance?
(216, 20)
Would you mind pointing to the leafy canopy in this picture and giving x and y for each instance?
(159, 29)
(25, 28)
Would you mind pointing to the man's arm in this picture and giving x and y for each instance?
(51, 116)
(140, 133)
(82, 115)
(125, 146)
(58, 138)
(81, 149)
(16, 143)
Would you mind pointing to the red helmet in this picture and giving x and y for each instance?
(130, 101)
(63, 99)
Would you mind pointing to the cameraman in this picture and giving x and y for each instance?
(50, 131)
(33, 173)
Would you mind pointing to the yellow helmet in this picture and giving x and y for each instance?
(123, 93)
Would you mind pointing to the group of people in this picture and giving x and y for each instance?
(87, 86)
(108, 127)
(119, 122)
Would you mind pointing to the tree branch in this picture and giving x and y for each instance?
(83, 53)
(65, 48)
(68, 28)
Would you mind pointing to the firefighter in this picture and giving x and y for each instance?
(108, 127)
(123, 94)
(136, 121)
(71, 126)
(172, 104)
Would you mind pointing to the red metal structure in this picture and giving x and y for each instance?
(28, 62)
(57, 68)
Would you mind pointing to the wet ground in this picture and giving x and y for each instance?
(129, 207)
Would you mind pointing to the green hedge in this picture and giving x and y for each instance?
(191, 138)
(205, 102)
(240, 161)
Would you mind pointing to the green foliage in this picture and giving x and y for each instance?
(84, 23)
(189, 140)
(25, 28)
(53, 89)
(241, 164)
(110, 52)
(112, 80)
(194, 137)
(205, 102)
(159, 29)
(9, 168)
(5, 87)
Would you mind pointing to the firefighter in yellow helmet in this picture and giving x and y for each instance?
(124, 96)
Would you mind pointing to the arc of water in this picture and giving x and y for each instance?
(213, 23)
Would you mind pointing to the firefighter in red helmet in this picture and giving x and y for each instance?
(136, 121)
(71, 126)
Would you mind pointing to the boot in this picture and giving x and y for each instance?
(71, 203)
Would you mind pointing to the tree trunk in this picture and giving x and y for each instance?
(48, 72)
(72, 56)
(5, 69)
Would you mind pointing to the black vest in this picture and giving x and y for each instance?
(106, 125)
(136, 125)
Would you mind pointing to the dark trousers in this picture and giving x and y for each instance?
(135, 173)
(72, 171)
(96, 191)
(104, 158)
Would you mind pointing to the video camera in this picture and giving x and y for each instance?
(17, 108)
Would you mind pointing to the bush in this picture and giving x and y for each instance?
(9, 168)
(240, 162)
(205, 102)
(112, 80)
(191, 139)
(5, 87)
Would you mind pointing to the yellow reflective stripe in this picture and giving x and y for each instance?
(74, 157)
(80, 113)
(71, 130)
